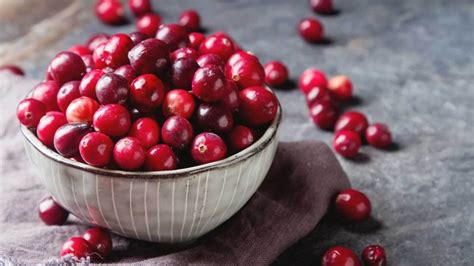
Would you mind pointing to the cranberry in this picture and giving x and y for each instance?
(311, 78)
(88, 83)
(100, 239)
(323, 114)
(111, 88)
(112, 120)
(245, 70)
(178, 102)
(340, 87)
(208, 147)
(110, 12)
(159, 158)
(185, 52)
(182, 72)
(276, 73)
(352, 205)
(30, 111)
(211, 60)
(139, 7)
(353, 121)
(346, 143)
(46, 92)
(148, 24)
(378, 135)
(374, 255)
(80, 50)
(340, 256)
(177, 132)
(311, 30)
(99, 56)
(48, 125)
(49, 75)
(96, 39)
(147, 92)
(146, 130)
(12, 69)
(81, 109)
(116, 50)
(68, 92)
(68, 136)
(223, 34)
(137, 37)
(78, 246)
(195, 40)
(51, 213)
(96, 149)
(209, 84)
(174, 35)
(231, 99)
(322, 6)
(258, 106)
(318, 95)
(214, 117)
(190, 20)
(127, 72)
(67, 66)
(218, 45)
(129, 153)
(241, 137)
(150, 56)
(88, 62)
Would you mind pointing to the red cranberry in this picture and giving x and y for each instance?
(150, 56)
(211, 60)
(147, 92)
(67, 66)
(49, 75)
(223, 34)
(96, 149)
(311, 30)
(208, 147)
(68, 136)
(245, 69)
(88, 62)
(139, 7)
(30, 111)
(78, 246)
(80, 50)
(98, 56)
(96, 39)
(46, 92)
(137, 37)
(159, 158)
(100, 239)
(340, 256)
(218, 45)
(352, 205)
(318, 95)
(182, 72)
(129, 153)
(340, 87)
(185, 52)
(178, 102)
(146, 130)
(214, 117)
(110, 12)
(112, 120)
(258, 106)
(116, 50)
(88, 83)
(68, 92)
(231, 99)
(322, 6)
(111, 88)
(174, 35)
(353, 121)
(190, 20)
(241, 137)
(177, 132)
(127, 72)
(195, 40)
(374, 255)
(346, 143)
(378, 135)
(276, 73)
(148, 24)
(51, 213)
(48, 125)
(323, 114)
(209, 84)
(312, 78)
(12, 69)
(81, 109)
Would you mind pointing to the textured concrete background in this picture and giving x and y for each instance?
(412, 65)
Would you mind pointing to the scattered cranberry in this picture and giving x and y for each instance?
(340, 87)
(352, 205)
(30, 111)
(185, 52)
(12, 69)
(80, 50)
(231, 99)
(146, 130)
(148, 24)
(137, 37)
(241, 137)
(127, 72)
(78, 246)
(311, 78)
(112, 120)
(67, 66)
(211, 60)
(322, 6)
(190, 20)
(150, 56)
(89, 82)
(311, 30)
(111, 88)
(46, 92)
(139, 7)
(51, 213)
(129, 153)
(100, 239)
(353, 121)
(94, 41)
(96, 149)
(245, 70)
(110, 12)
(258, 106)
(378, 135)
(214, 117)
(276, 73)
(209, 84)
(147, 92)
(218, 45)
(174, 35)
(159, 158)
(116, 50)
(346, 143)
(48, 125)
(68, 137)
(178, 102)
(318, 95)
(340, 256)
(208, 147)
(81, 109)
(323, 114)
(182, 72)
(177, 132)
(374, 255)
(195, 40)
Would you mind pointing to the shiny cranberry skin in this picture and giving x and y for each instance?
(78, 246)
(353, 121)
(148, 24)
(111, 88)
(245, 70)
(340, 87)
(374, 255)
(12, 69)
(30, 111)
(352, 205)
(218, 45)
(89, 82)
(195, 40)
(51, 213)
(185, 52)
(209, 84)
(80, 50)
(323, 114)
(68, 92)
(322, 6)
(208, 147)
(48, 125)
(276, 73)
(98, 56)
(138, 37)
(110, 12)
(311, 30)
(88, 62)
(146, 130)
(112, 119)
(318, 95)
(127, 72)
(100, 239)
(174, 35)
(241, 137)
(190, 19)
(96, 39)
(46, 92)
(211, 60)
(96, 149)
(182, 72)
(129, 153)
(150, 56)
(67, 66)
(378, 135)
(139, 7)
(231, 99)
(116, 50)
(160, 158)
(340, 256)
(258, 106)
(68, 137)
(178, 102)
(214, 117)
(346, 143)
(311, 78)
(81, 109)
(147, 92)
(177, 132)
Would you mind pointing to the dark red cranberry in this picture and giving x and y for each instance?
(148, 24)
(311, 78)
(78, 246)
(67, 66)
(88, 83)
(340, 256)
(116, 50)
(111, 88)
(100, 239)
(137, 37)
(211, 60)
(46, 92)
(322, 6)
(81, 109)
(160, 158)
(88, 62)
(178, 102)
(209, 84)
(147, 92)
(346, 143)
(195, 40)
(98, 56)
(80, 50)
(374, 255)
(185, 52)
(258, 106)
(129, 153)
(139, 7)
(110, 12)
(48, 125)
(190, 20)
(311, 30)
(318, 95)
(245, 70)
(146, 130)
(340, 87)
(12, 69)
(68, 92)
(241, 137)
(127, 72)
(177, 132)
(51, 213)
(112, 119)
(208, 147)
(30, 111)
(352, 205)
(323, 114)
(150, 56)
(353, 121)
(218, 45)
(96, 149)
(174, 35)
(276, 73)
(214, 117)
(378, 135)
(68, 136)
(182, 72)
(95, 40)
(231, 99)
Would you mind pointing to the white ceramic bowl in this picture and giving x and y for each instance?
(166, 206)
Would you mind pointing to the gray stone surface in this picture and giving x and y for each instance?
(412, 65)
